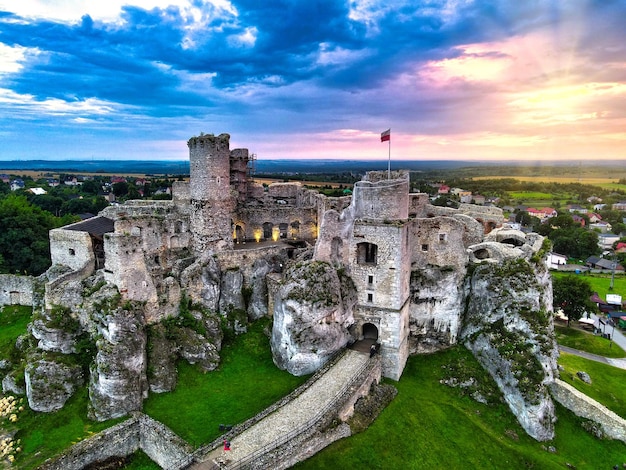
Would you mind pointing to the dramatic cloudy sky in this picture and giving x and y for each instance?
(453, 79)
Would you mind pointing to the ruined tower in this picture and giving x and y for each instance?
(380, 265)
(212, 202)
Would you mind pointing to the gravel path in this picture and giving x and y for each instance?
(292, 415)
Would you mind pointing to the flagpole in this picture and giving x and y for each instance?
(389, 161)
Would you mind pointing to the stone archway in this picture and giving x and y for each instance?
(370, 331)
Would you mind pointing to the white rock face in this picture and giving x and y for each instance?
(50, 384)
(312, 313)
(510, 331)
(118, 382)
(435, 311)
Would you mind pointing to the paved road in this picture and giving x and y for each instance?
(621, 363)
(616, 336)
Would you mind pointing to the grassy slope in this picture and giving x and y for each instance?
(235, 392)
(13, 322)
(429, 425)
(607, 382)
(586, 341)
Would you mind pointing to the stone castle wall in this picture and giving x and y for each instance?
(385, 281)
(385, 199)
(438, 241)
(137, 433)
(71, 248)
(612, 425)
(16, 290)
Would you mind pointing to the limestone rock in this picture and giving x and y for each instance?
(257, 305)
(118, 382)
(56, 329)
(231, 296)
(50, 384)
(312, 313)
(437, 298)
(511, 334)
(10, 384)
(584, 376)
(162, 375)
(202, 282)
(195, 349)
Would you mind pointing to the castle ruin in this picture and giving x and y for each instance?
(382, 265)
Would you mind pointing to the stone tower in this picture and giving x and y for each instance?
(212, 202)
(380, 265)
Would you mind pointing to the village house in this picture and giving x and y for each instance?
(578, 220)
(555, 260)
(602, 227)
(542, 214)
(576, 208)
(17, 184)
(594, 217)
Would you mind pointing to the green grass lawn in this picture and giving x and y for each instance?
(607, 382)
(586, 341)
(13, 322)
(530, 195)
(246, 382)
(601, 283)
(429, 425)
(42, 435)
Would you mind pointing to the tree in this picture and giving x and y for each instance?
(575, 242)
(571, 294)
(120, 189)
(24, 242)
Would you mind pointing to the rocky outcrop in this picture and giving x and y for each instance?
(437, 297)
(162, 356)
(195, 336)
(56, 330)
(195, 349)
(231, 297)
(313, 310)
(202, 282)
(257, 303)
(49, 384)
(118, 382)
(509, 329)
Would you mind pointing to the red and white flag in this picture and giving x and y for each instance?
(385, 136)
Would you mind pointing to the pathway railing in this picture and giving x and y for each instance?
(339, 397)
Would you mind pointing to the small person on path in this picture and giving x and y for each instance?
(372, 350)
(226, 445)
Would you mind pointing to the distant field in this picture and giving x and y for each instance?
(604, 182)
(37, 174)
(530, 195)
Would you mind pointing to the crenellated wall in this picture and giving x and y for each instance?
(377, 198)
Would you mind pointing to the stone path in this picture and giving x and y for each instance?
(296, 413)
